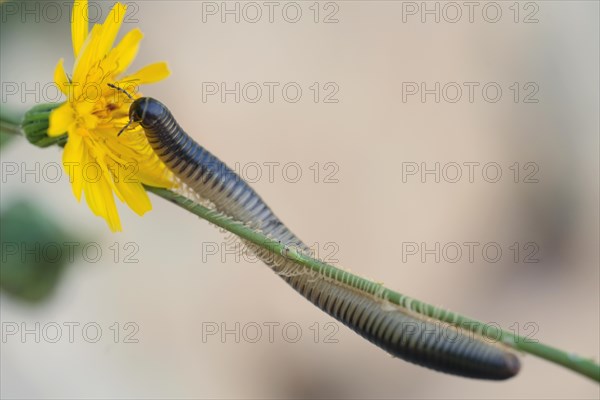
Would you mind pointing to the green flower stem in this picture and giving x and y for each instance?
(8, 127)
(8, 119)
(583, 366)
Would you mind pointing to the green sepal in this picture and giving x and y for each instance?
(35, 126)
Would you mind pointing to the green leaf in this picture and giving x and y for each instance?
(33, 252)
(5, 138)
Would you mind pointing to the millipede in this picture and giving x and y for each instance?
(397, 330)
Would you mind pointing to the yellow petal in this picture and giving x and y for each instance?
(61, 120)
(149, 169)
(60, 77)
(110, 29)
(154, 173)
(161, 178)
(84, 106)
(134, 194)
(73, 161)
(90, 121)
(86, 58)
(109, 171)
(100, 199)
(79, 24)
(149, 74)
(124, 53)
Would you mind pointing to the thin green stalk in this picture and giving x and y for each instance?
(583, 366)
(9, 127)
(8, 119)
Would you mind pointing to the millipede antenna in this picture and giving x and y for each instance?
(120, 90)
(130, 97)
(123, 128)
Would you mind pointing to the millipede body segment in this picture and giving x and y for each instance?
(395, 329)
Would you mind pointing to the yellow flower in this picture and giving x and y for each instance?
(96, 160)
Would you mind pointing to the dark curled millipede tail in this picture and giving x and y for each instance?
(395, 329)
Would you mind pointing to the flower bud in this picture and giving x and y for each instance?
(35, 126)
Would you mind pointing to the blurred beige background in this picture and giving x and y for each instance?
(173, 296)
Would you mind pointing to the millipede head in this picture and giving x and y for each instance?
(146, 111)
